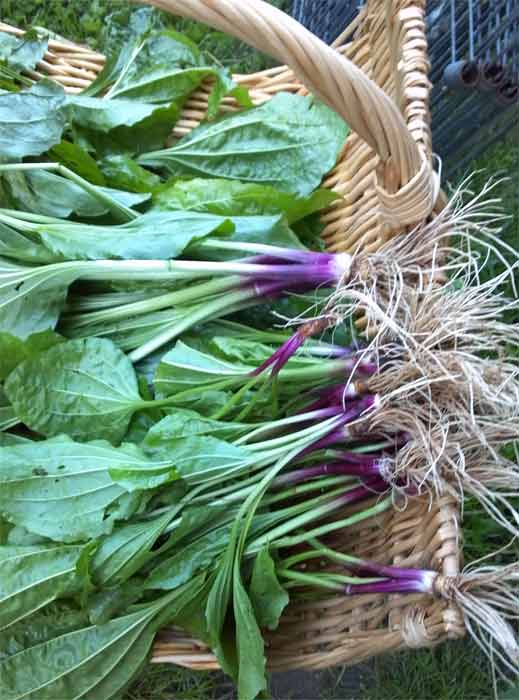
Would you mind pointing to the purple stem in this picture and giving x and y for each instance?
(336, 394)
(339, 434)
(371, 569)
(390, 586)
(281, 356)
(324, 272)
(361, 493)
(304, 257)
(330, 469)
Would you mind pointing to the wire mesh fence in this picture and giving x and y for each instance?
(326, 18)
(474, 53)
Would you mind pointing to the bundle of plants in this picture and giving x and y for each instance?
(200, 479)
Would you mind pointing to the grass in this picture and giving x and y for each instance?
(454, 671)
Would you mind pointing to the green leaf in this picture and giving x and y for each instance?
(132, 332)
(17, 246)
(268, 596)
(269, 230)
(21, 537)
(184, 367)
(108, 602)
(235, 198)
(8, 417)
(196, 556)
(124, 35)
(146, 134)
(80, 161)
(32, 577)
(98, 660)
(9, 439)
(154, 235)
(125, 550)
(62, 489)
(122, 172)
(249, 643)
(13, 350)
(104, 115)
(289, 143)
(196, 459)
(46, 193)
(219, 598)
(85, 388)
(31, 121)
(33, 304)
(192, 616)
(182, 423)
(163, 66)
(24, 53)
(47, 623)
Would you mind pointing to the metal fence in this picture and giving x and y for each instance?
(474, 52)
(326, 18)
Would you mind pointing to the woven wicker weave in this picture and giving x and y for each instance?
(387, 184)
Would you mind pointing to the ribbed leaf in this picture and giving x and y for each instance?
(62, 489)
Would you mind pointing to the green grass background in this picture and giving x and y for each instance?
(454, 671)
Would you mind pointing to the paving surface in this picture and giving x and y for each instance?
(342, 684)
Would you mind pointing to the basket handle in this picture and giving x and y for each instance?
(407, 185)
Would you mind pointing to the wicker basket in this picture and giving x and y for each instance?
(387, 184)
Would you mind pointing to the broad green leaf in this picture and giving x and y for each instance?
(80, 161)
(32, 577)
(249, 643)
(8, 417)
(9, 439)
(122, 172)
(109, 602)
(123, 37)
(5, 529)
(267, 595)
(235, 198)
(46, 193)
(129, 333)
(187, 561)
(85, 388)
(49, 622)
(182, 423)
(94, 662)
(98, 660)
(219, 598)
(17, 246)
(62, 490)
(269, 230)
(20, 537)
(154, 235)
(196, 459)
(31, 121)
(248, 352)
(192, 616)
(34, 303)
(104, 115)
(142, 421)
(146, 134)
(22, 53)
(13, 350)
(289, 143)
(183, 368)
(162, 66)
(122, 553)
